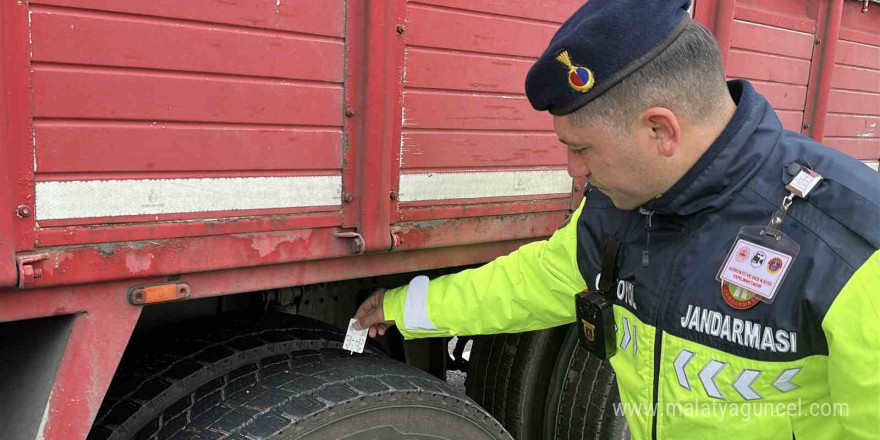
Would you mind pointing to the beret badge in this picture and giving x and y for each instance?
(580, 78)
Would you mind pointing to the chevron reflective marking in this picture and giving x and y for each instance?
(681, 361)
(743, 384)
(783, 382)
(635, 341)
(708, 375)
(626, 336)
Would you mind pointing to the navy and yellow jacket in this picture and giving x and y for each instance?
(806, 366)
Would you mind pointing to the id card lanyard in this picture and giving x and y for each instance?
(761, 257)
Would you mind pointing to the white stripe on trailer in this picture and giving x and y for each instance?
(469, 185)
(113, 198)
(872, 164)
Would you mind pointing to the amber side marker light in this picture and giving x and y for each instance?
(157, 293)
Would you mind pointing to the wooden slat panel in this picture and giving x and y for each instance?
(477, 33)
(854, 78)
(557, 11)
(767, 67)
(859, 36)
(844, 101)
(84, 37)
(428, 68)
(858, 54)
(782, 96)
(133, 147)
(797, 8)
(853, 126)
(864, 149)
(791, 120)
(324, 17)
(111, 94)
(854, 20)
(469, 149)
(763, 38)
(802, 24)
(457, 111)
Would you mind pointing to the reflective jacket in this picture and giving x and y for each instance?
(690, 364)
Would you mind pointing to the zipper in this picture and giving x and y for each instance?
(645, 253)
(658, 335)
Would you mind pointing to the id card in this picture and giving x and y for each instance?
(759, 262)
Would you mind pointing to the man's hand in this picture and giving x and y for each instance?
(370, 314)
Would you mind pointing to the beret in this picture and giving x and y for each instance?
(598, 46)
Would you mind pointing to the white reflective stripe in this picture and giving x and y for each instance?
(708, 375)
(112, 198)
(681, 361)
(743, 384)
(783, 382)
(467, 185)
(415, 308)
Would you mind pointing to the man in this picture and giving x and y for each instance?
(694, 177)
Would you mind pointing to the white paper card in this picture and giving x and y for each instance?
(755, 268)
(804, 182)
(355, 339)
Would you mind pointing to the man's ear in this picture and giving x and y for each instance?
(665, 131)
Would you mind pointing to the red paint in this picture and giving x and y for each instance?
(109, 233)
(116, 261)
(77, 147)
(472, 111)
(459, 231)
(255, 88)
(717, 17)
(431, 68)
(302, 16)
(107, 39)
(772, 40)
(18, 139)
(463, 210)
(124, 93)
(557, 13)
(375, 66)
(463, 30)
(206, 217)
(770, 18)
(783, 96)
(463, 149)
(12, 122)
(828, 23)
(766, 67)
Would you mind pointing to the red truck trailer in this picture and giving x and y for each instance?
(195, 195)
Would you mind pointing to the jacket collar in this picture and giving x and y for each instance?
(730, 162)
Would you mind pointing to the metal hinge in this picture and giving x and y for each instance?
(358, 245)
(865, 4)
(27, 273)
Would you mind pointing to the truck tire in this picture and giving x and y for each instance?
(277, 377)
(509, 374)
(583, 393)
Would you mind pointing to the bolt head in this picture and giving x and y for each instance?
(23, 211)
(348, 197)
(393, 195)
(401, 29)
(350, 112)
